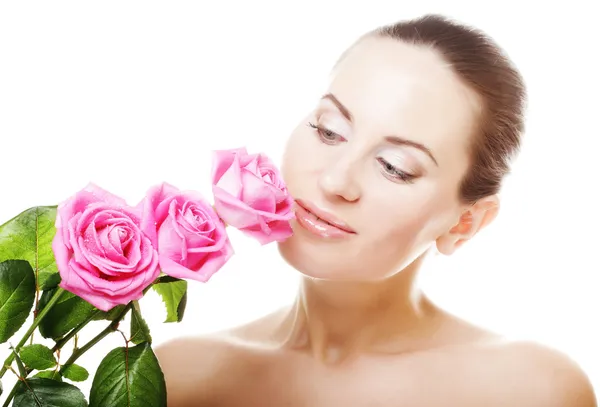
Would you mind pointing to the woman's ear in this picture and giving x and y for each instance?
(471, 221)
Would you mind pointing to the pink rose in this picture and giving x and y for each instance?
(103, 253)
(250, 195)
(192, 241)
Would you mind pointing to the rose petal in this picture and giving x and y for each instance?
(233, 211)
(239, 215)
(79, 254)
(196, 223)
(170, 242)
(215, 242)
(116, 259)
(78, 286)
(153, 213)
(278, 232)
(98, 301)
(76, 204)
(73, 283)
(231, 181)
(149, 254)
(250, 163)
(119, 286)
(104, 196)
(112, 247)
(257, 194)
(204, 271)
(222, 160)
(198, 241)
(61, 255)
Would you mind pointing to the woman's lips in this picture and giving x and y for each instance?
(320, 222)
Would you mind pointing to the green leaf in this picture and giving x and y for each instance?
(173, 292)
(66, 314)
(20, 366)
(28, 236)
(166, 279)
(41, 392)
(181, 307)
(139, 328)
(75, 373)
(49, 374)
(129, 377)
(17, 293)
(37, 357)
(109, 315)
(49, 282)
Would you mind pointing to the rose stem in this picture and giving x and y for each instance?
(59, 344)
(112, 327)
(11, 394)
(34, 325)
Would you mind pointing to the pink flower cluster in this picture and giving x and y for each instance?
(108, 252)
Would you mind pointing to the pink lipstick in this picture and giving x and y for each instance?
(320, 222)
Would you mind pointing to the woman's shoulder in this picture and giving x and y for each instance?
(533, 370)
(536, 372)
(201, 369)
(204, 369)
(192, 366)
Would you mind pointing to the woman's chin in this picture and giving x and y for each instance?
(311, 264)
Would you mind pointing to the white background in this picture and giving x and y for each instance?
(130, 94)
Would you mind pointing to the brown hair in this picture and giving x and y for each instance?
(483, 66)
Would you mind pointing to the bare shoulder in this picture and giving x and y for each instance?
(537, 375)
(195, 369)
(203, 370)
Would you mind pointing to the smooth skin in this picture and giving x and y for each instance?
(389, 145)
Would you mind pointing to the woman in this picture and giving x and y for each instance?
(407, 151)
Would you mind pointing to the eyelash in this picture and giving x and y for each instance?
(324, 133)
(389, 169)
(395, 172)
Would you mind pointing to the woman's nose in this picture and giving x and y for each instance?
(339, 180)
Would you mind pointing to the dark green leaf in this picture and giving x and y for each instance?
(28, 236)
(173, 294)
(50, 282)
(166, 279)
(76, 373)
(129, 377)
(41, 392)
(20, 366)
(66, 314)
(17, 293)
(139, 328)
(37, 357)
(109, 315)
(49, 374)
(181, 307)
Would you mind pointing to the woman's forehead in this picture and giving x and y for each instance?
(391, 87)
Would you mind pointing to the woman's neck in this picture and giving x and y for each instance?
(336, 320)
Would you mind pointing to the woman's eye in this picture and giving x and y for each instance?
(327, 136)
(394, 172)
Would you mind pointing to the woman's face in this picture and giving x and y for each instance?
(384, 152)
